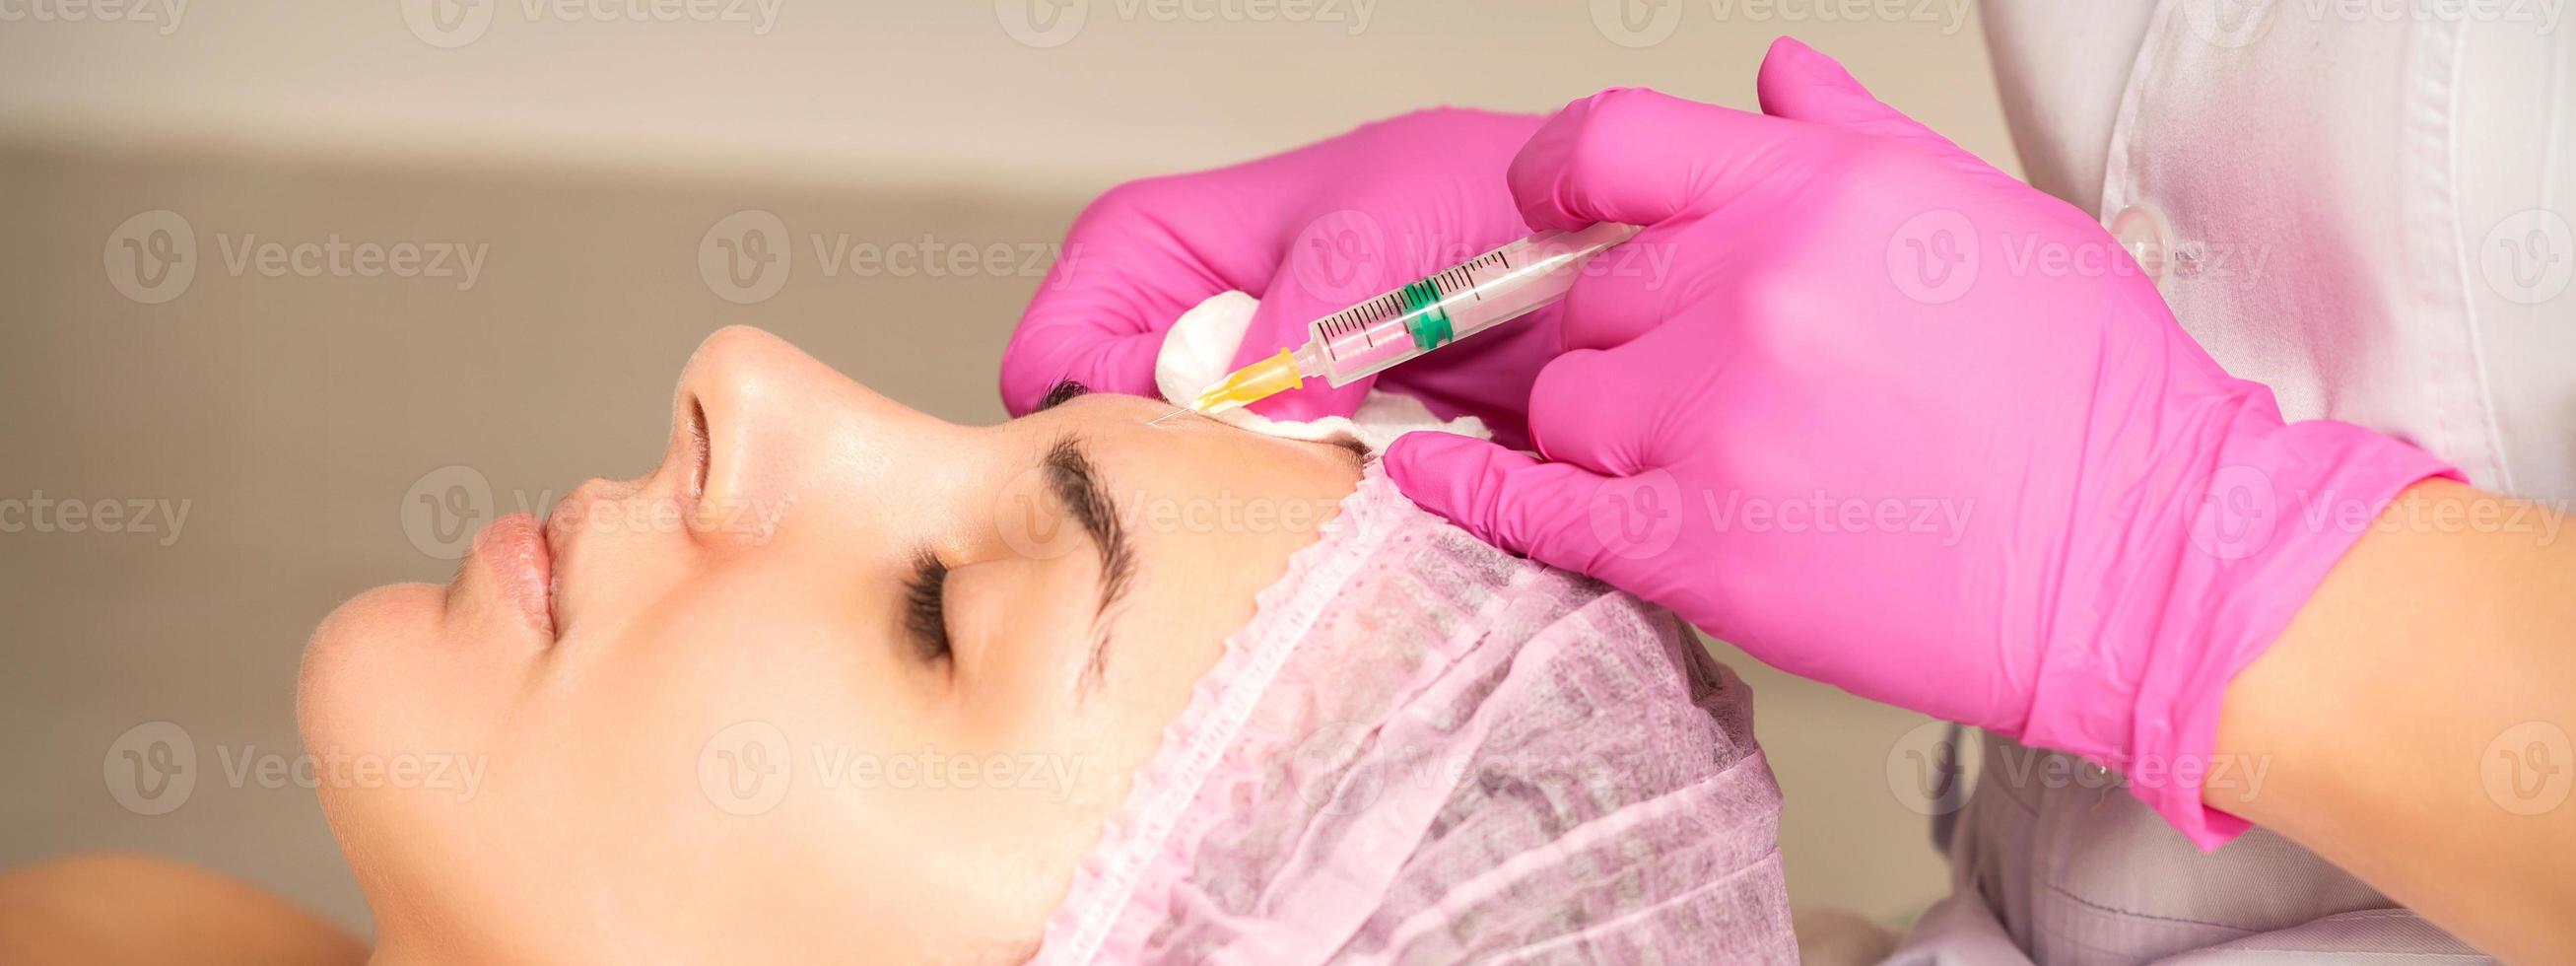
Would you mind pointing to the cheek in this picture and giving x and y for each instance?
(714, 711)
(739, 738)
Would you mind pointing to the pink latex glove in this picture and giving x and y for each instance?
(1310, 232)
(1851, 435)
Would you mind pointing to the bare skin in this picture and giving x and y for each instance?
(114, 909)
(728, 721)
(2416, 712)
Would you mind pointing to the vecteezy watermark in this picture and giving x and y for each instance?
(2529, 768)
(2240, 23)
(2243, 511)
(747, 256)
(1642, 515)
(1819, 512)
(1053, 23)
(153, 769)
(457, 774)
(2027, 255)
(455, 23)
(749, 767)
(2230, 24)
(163, 15)
(1034, 523)
(337, 257)
(2528, 256)
(1928, 764)
(1928, 767)
(153, 256)
(443, 509)
(1645, 23)
(2540, 519)
(1937, 256)
(1344, 257)
(38, 513)
(2238, 513)
(1932, 257)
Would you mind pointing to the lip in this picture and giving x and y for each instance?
(516, 551)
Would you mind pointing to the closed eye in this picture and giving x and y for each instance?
(925, 607)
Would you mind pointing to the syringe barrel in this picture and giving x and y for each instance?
(1459, 301)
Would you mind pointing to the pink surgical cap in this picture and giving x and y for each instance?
(1426, 750)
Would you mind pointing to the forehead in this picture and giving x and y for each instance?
(1188, 454)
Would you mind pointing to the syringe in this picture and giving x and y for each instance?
(1414, 319)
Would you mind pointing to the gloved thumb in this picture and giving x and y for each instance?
(1559, 514)
(1337, 261)
(1800, 84)
(1639, 157)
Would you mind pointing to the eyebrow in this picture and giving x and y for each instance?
(1077, 486)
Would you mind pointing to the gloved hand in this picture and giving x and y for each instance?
(1876, 429)
(1310, 232)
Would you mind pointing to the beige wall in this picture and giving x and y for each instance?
(294, 416)
(860, 92)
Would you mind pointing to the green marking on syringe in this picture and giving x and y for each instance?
(1427, 321)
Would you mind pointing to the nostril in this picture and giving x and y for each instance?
(699, 448)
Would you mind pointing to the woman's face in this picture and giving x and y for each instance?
(835, 675)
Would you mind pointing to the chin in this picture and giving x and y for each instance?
(372, 676)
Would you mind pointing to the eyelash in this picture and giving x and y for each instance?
(1063, 391)
(925, 610)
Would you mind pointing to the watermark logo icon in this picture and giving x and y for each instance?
(1932, 257)
(2232, 24)
(746, 768)
(2529, 768)
(745, 257)
(1636, 24)
(1637, 517)
(151, 769)
(2529, 256)
(448, 24)
(1042, 23)
(442, 510)
(1329, 758)
(1926, 765)
(2238, 514)
(1030, 522)
(152, 256)
(1341, 258)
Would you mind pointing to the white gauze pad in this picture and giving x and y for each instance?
(1200, 347)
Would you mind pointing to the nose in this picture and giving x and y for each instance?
(756, 422)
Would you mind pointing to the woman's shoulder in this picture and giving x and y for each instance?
(125, 907)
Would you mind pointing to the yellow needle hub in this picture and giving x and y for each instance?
(1252, 383)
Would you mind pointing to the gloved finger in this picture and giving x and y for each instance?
(1637, 156)
(1624, 293)
(1139, 256)
(1598, 408)
(1078, 337)
(1336, 260)
(1505, 497)
(1799, 83)
(1615, 529)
